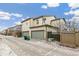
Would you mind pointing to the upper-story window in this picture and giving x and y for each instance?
(44, 19)
(37, 21)
(51, 22)
(26, 23)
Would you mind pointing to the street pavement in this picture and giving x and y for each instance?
(23, 47)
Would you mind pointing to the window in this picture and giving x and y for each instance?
(44, 19)
(37, 21)
(26, 23)
(51, 22)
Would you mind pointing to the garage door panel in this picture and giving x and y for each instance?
(37, 34)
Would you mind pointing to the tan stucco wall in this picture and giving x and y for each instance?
(38, 28)
(58, 23)
(44, 28)
(52, 29)
(35, 22)
(26, 25)
(48, 20)
(31, 22)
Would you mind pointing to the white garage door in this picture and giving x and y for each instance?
(37, 34)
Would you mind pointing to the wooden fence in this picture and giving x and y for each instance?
(70, 39)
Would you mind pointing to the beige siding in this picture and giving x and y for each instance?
(35, 22)
(39, 28)
(48, 19)
(32, 22)
(44, 28)
(51, 29)
(58, 23)
(31, 25)
(26, 25)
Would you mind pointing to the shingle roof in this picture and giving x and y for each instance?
(37, 17)
(26, 20)
(59, 19)
(42, 16)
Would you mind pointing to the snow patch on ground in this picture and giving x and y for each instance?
(30, 47)
(5, 50)
(56, 49)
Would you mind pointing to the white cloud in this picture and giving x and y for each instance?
(18, 23)
(53, 4)
(75, 20)
(2, 28)
(75, 17)
(44, 6)
(70, 12)
(25, 18)
(73, 5)
(16, 14)
(7, 16)
(4, 15)
(50, 5)
(73, 11)
(76, 12)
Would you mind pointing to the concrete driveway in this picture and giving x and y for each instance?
(21, 47)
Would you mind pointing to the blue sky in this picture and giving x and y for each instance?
(11, 14)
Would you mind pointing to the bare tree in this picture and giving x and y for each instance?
(69, 26)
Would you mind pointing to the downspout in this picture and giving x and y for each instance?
(46, 34)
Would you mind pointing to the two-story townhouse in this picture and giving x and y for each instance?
(40, 28)
(9, 31)
(14, 31)
(26, 24)
(17, 31)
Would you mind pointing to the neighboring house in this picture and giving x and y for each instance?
(3, 32)
(17, 31)
(14, 31)
(8, 31)
(42, 27)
